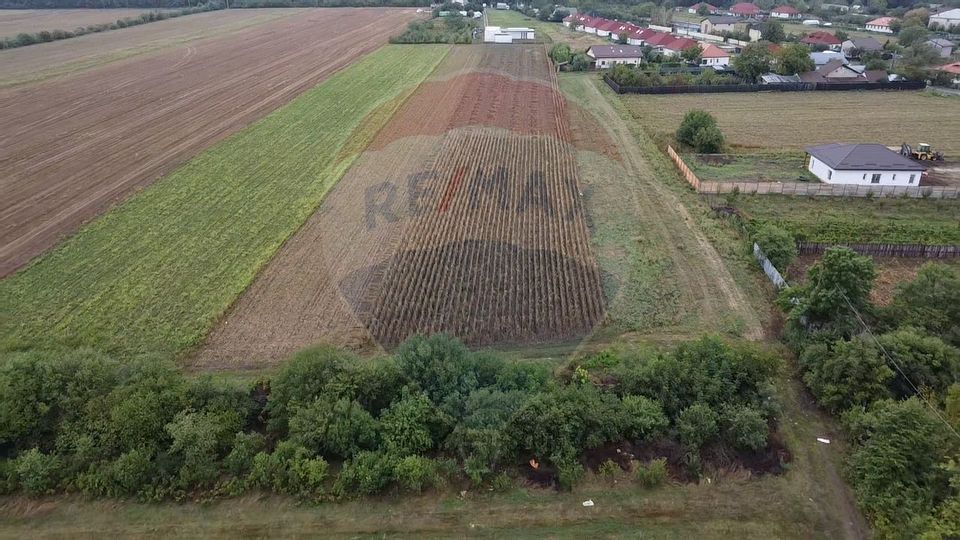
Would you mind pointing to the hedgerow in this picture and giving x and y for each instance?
(117, 427)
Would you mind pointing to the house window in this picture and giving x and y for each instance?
(894, 176)
(864, 176)
(912, 178)
(875, 178)
(830, 174)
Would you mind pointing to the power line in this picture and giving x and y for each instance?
(897, 365)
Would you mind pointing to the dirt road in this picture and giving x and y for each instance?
(73, 146)
(705, 287)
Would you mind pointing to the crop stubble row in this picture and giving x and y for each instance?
(490, 245)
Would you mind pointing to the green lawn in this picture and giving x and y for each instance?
(750, 167)
(155, 273)
(858, 219)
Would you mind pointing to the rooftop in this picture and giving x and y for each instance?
(616, 51)
(785, 9)
(865, 157)
(882, 21)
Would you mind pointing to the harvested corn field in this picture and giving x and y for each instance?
(463, 216)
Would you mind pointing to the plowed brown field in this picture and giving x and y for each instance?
(71, 147)
(463, 216)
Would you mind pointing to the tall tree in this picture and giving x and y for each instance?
(753, 61)
(794, 58)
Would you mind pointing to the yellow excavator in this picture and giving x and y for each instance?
(922, 153)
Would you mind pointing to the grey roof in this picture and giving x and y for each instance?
(825, 57)
(773, 78)
(722, 19)
(940, 42)
(616, 51)
(862, 157)
(864, 44)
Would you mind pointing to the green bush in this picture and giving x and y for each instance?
(366, 473)
(243, 450)
(300, 381)
(925, 362)
(406, 426)
(38, 473)
(414, 473)
(708, 140)
(569, 471)
(289, 469)
(777, 244)
(561, 53)
(692, 123)
(745, 428)
(644, 418)
(848, 373)
(338, 428)
(931, 301)
(697, 425)
(609, 469)
(652, 474)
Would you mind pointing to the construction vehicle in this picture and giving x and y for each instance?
(922, 153)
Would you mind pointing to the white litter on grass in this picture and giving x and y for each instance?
(824, 441)
(588, 502)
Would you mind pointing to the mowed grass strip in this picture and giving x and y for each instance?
(792, 120)
(155, 273)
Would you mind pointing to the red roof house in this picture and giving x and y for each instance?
(711, 9)
(821, 38)
(744, 9)
(951, 68)
(785, 12)
(677, 45)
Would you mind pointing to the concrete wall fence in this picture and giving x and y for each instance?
(809, 189)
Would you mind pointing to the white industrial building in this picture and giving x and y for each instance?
(862, 164)
(496, 34)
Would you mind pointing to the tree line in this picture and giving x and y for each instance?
(430, 415)
(178, 4)
(892, 375)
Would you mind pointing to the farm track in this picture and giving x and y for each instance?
(72, 147)
(463, 216)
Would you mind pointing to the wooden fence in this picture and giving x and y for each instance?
(809, 189)
(887, 250)
(787, 87)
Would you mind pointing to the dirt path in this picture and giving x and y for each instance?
(706, 283)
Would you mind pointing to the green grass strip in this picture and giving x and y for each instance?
(154, 274)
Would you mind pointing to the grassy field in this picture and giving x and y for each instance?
(857, 220)
(758, 167)
(155, 273)
(791, 121)
(546, 32)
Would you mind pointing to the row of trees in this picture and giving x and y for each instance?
(432, 413)
(891, 374)
(177, 4)
(24, 39)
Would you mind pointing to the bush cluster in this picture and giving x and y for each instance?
(632, 76)
(903, 466)
(81, 421)
(24, 39)
(452, 29)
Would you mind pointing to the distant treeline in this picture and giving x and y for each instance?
(23, 39)
(179, 4)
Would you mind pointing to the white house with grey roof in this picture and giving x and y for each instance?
(607, 56)
(862, 164)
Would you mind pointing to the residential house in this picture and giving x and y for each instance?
(569, 20)
(942, 46)
(640, 37)
(842, 8)
(853, 48)
(953, 68)
(881, 25)
(695, 9)
(837, 72)
(604, 28)
(822, 38)
(946, 19)
(862, 164)
(744, 9)
(785, 12)
(714, 56)
(589, 25)
(676, 46)
(716, 24)
(496, 34)
(821, 58)
(607, 56)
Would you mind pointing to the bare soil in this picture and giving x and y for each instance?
(463, 216)
(942, 173)
(71, 147)
(15, 21)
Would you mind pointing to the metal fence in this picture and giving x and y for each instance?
(768, 268)
(924, 251)
(786, 87)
